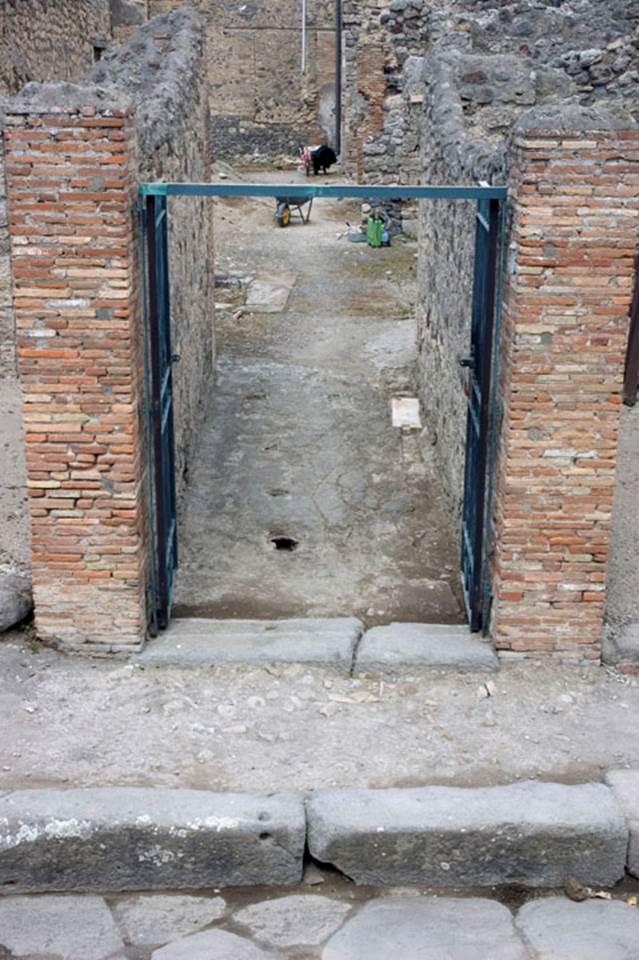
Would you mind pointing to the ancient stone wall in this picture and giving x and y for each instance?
(162, 68)
(575, 221)
(40, 40)
(262, 102)
(445, 271)
(49, 39)
(75, 155)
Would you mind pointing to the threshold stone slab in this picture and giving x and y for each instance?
(138, 838)
(533, 834)
(415, 645)
(431, 928)
(625, 786)
(558, 929)
(201, 642)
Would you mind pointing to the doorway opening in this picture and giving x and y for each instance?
(298, 436)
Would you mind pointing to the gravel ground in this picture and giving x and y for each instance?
(82, 722)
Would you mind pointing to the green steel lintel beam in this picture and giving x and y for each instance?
(297, 190)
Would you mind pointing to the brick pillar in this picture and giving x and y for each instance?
(575, 221)
(71, 191)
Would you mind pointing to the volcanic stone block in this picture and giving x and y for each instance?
(198, 642)
(625, 786)
(534, 834)
(73, 928)
(132, 838)
(556, 928)
(414, 645)
(430, 928)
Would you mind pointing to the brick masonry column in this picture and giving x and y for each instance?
(71, 191)
(575, 223)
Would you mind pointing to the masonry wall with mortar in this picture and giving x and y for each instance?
(75, 155)
(262, 103)
(162, 67)
(39, 40)
(575, 221)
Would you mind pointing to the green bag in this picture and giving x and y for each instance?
(374, 232)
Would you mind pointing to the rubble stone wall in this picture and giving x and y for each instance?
(162, 69)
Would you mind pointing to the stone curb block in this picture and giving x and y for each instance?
(625, 786)
(135, 838)
(409, 646)
(197, 642)
(533, 834)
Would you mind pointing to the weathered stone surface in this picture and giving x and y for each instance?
(287, 921)
(558, 929)
(15, 598)
(159, 919)
(194, 642)
(121, 838)
(535, 834)
(430, 928)
(211, 945)
(625, 786)
(69, 928)
(268, 294)
(385, 649)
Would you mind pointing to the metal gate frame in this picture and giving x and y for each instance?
(481, 362)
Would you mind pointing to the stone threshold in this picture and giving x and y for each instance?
(531, 834)
(341, 642)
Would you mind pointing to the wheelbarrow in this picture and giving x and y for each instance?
(284, 206)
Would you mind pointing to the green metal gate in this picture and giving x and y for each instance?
(475, 534)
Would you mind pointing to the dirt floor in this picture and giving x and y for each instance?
(80, 722)
(298, 442)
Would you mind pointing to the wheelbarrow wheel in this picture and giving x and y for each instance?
(283, 214)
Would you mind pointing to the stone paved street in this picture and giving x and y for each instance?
(339, 923)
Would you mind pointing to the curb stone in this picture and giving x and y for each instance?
(138, 838)
(532, 834)
(625, 786)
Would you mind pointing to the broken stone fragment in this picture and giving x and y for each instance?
(15, 598)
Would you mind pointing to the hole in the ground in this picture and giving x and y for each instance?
(284, 543)
(265, 836)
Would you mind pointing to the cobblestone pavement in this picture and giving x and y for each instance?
(331, 921)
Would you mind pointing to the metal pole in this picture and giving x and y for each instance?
(303, 36)
(338, 76)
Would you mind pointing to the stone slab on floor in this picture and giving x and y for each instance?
(136, 838)
(306, 919)
(558, 929)
(625, 786)
(59, 928)
(156, 919)
(200, 642)
(386, 649)
(431, 928)
(531, 833)
(268, 293)
(212, 945)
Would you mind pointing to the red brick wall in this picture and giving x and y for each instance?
(574, 233)
(71, 194)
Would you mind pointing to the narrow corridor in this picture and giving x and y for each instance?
(303, 499)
